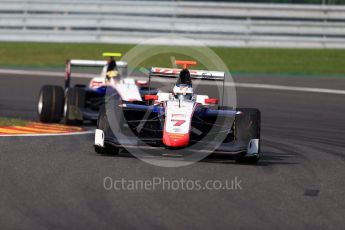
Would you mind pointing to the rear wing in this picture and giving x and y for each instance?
(87, 63)
(195, 74)
(121, 65)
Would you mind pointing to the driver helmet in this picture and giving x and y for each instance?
(184, 78)
(112, 71)
(183, 92)
(183, 89)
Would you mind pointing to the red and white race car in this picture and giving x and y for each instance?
(180, 120)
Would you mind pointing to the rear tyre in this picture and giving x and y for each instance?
(50, 104)
(74, 103)
(102, 124)
(247, 127)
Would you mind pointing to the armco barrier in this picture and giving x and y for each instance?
(215, 24)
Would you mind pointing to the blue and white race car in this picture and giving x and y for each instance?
(80, 102)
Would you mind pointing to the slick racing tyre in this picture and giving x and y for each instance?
(50, 104)
(74, 103)
(247, 127)
(102, 124)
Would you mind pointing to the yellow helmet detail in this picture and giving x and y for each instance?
(112, 74)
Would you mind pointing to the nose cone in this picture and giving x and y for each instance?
(175, 139)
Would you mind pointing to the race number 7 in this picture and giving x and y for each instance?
(179, 119)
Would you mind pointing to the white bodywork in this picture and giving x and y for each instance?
(97, 82)
(128, 90)
(253, 147)
(126, 87)
(163, 96)
(99, 138)
(178, 116)
(179, 109)
(201, 99)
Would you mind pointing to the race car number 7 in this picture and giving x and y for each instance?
(178, 118)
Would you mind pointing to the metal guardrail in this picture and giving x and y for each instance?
(215, 24)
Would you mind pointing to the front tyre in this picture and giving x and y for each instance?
(50, 104)
(247, 127)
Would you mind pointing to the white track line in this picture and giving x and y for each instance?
(240, 85)
(290, 88)
(47, 134)
(45, 73)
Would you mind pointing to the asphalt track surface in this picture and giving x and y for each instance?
(57, 182)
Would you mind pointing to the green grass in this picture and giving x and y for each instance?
(325, 62)
(11, 122)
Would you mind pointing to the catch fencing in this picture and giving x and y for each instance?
(211, 23)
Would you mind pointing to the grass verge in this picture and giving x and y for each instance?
(4, 121)
(327, 62)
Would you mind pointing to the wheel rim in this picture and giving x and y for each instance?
(40, 104)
